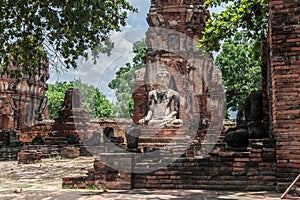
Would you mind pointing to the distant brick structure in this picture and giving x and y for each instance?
(72, 117)
(283, 78)
(23, 102)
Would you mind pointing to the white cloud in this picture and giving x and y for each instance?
(138, 20)
(101, 73)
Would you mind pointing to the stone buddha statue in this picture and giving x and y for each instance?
(163, 103)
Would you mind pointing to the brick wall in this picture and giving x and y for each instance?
(284, 40)
(29, 133)
(266, 86)
(102, 175)
(26, 104)
(9, 153)
(253, 169)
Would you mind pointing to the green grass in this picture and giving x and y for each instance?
(61, 173)
(24, 186)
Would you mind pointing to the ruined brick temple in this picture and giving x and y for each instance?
(167, 47)
(281, 85)
(23, 103)
(268, 162)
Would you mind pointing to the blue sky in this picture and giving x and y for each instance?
(101, 73)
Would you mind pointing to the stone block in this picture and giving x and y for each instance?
(29, 156)
(70, 152)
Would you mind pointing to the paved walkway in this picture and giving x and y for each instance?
(42, 181)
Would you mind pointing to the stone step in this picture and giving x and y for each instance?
(55, 138)
(45, 149)
(165, 132)
(177, 152)
(94, 150)
(51, 155)
(162, 139)
(55, 141)
(163, 145)
(174, 149)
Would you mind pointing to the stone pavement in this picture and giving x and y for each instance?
(42, 181)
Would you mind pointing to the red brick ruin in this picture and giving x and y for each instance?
(271, 162)
(283, 87)
(23, 103)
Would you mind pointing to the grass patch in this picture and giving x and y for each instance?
(68, 187)
(61, 173)
(24, 186)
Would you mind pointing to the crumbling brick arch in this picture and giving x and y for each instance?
(108, 132)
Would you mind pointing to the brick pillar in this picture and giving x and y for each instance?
(284, 30)
(140, 96)
(265, 85)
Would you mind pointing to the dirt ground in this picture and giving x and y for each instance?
(42, 181)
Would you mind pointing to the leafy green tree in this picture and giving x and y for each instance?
(92, 99)
(124, 82)
(33, 31)
(56, 94)
(240, 71)
(247, 15)
(240, 26)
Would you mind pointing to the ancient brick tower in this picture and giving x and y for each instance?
(283, 86)
(72, 117)
(175, 18)
(23, 103)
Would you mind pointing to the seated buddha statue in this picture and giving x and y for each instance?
(163, 103)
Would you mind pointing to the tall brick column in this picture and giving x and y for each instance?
(284, 40)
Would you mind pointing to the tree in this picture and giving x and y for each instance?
(240, 71)
(240, 26)
(124, 82)
(247, 15)
(33, 31)
(92, 99)
(56, 94)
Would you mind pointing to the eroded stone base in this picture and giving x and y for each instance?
(29, 156)
(253, 168)
(103, 175)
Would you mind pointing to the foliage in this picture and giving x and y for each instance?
(56, 94)
(33, 31)
(92, 99)
(240, 71)
(247, 15)
(124, 82)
